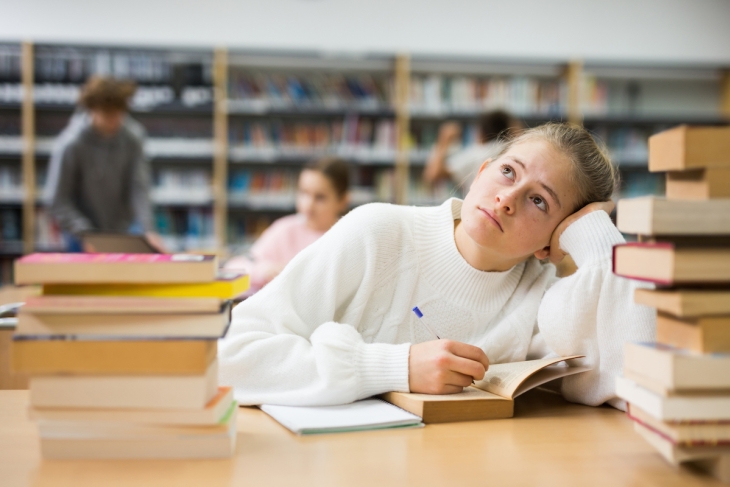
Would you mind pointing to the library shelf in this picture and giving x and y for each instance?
(217, 117)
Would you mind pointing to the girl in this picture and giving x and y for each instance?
(322, 197)
(337, 326)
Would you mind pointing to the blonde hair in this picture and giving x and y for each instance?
(594, 176)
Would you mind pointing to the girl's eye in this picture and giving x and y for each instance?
(539, 202)
(508, 172)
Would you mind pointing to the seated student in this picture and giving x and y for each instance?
(98, 175)
(495, 128)
(322, 197)
(336, 325)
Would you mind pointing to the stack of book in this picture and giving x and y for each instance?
(122, 353)
(678, 389)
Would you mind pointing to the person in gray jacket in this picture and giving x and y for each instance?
(99, 179)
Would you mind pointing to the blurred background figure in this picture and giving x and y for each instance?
(322, 198)
(495, 128)
(99, 179)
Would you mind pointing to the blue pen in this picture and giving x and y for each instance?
(428, 327)
(423, 321)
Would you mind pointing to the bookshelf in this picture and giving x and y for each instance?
(229, 129)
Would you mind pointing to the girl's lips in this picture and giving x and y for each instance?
(492, 217)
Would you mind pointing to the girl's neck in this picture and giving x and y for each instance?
(478, 257)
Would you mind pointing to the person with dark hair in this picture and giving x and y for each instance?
(495, 128)
(322, 198)
(98, 176)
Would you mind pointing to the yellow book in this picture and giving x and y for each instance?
(226, 286)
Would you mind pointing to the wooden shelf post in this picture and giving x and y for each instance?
(220, 144)
(574, 78)
(402, 124)
(28, 136)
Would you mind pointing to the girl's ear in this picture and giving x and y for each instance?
(543, 253)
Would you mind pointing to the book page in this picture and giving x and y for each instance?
(504, 379)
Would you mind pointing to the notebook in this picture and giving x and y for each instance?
(369, 414)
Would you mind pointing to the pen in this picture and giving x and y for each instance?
(423, 321)
(428, 327)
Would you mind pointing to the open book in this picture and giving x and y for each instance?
(489, 398)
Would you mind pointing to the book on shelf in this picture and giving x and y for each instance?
(116, 324)
(213, 412)
(706, 406)
(489, 398)
(441, 95)
(151, 357)
(660, 216)
(96, 440)
(125, 391)
(368, 414)
(85, 304)
(260, 91)
(699, 184)
(686, 302)
(227, 285)
(684, 433)
(706, 334)
(686, 147)
(669, 264)
(677, 369)
(114, 268)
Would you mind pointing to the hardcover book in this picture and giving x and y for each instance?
(677, 369)
(489, 398)
(668, 264)
(649, 215)
(115, 268)
(227, 285)
(685, 147)
(134, 357)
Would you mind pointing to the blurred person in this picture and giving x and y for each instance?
(322, 198)
(98, 177)
(495, 128)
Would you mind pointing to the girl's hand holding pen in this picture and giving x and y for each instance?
(444, 366)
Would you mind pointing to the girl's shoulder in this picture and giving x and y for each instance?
(382, 216)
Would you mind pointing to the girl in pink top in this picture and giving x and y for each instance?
(322, 197)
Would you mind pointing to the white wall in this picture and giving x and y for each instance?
(685, 31)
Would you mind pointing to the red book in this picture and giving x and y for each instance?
(114, 268)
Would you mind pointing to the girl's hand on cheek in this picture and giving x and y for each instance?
(556, 253)
(444, 366)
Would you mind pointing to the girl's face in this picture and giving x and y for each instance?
(517, 200)
(318, 201)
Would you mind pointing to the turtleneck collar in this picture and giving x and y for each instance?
(445, 269)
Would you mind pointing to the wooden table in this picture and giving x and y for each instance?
(549, 442)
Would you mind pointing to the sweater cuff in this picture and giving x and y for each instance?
(591, 238)
(382, 368)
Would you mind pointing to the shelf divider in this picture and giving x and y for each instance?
(220, 145)
(402, 123)
(28, 131)
(574, 78)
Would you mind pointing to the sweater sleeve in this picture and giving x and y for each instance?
(140, 187)
(62, 181)
(592, 312)
(287, 345)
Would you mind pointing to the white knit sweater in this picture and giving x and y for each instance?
(336, 325)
